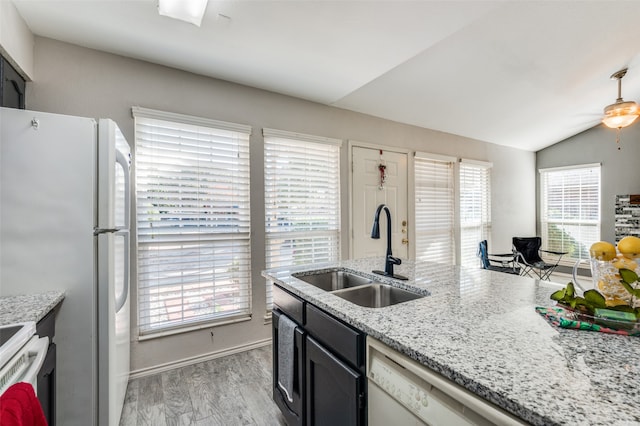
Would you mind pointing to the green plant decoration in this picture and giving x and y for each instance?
(629, 277)
(593, 299)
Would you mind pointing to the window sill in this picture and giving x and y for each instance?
(195, 327)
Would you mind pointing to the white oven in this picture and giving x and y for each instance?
(22, 354)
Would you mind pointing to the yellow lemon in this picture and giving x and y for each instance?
(629, 247)
(624, 263)
(602, 250)
(615, 302)
(606, 285)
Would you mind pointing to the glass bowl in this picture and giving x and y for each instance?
(606, 279)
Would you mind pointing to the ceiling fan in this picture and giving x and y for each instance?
(621, 113)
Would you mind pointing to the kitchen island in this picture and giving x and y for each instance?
(480, 329)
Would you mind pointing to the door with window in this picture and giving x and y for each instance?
(379, 177)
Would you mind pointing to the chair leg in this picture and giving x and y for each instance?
(547, 274)
(532, 272)
(525, 271)
(536, 273)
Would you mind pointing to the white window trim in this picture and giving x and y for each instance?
(435, 157)
(485, 164)
(299, 137)
(575, 166)
(137, 111)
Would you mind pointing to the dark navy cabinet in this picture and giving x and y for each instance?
(47, 376)
(12, 86)
(329, 362)
(335, 391)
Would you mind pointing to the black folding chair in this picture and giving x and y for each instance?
(527, 253)
(502, 262)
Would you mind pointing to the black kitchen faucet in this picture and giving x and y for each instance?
(375, 234)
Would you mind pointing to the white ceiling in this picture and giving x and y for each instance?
(525, 74)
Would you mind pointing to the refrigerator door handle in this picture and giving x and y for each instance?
(121, 298)
(123, 161)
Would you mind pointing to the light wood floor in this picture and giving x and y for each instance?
(233, 390)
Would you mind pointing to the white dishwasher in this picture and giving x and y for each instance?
(403, 392)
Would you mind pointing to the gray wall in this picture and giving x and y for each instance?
(620, 172)
(74, 80)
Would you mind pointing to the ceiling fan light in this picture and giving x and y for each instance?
(620, 114)
(191, 11)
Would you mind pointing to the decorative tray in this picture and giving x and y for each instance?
(609, 321)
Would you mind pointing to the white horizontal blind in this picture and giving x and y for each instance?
(193, 222)
(570, 210)
(434, 210)
(302, 201)
(475, 210)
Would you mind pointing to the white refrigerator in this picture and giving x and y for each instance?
(64, 225)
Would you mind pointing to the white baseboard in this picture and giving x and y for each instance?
(148, 371)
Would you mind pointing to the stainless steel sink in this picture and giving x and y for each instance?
(333, 280)
(376, 295)
(357, 289)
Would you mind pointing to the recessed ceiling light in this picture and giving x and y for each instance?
(190, 11)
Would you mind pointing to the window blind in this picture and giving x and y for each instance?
(434, 208)
(475, 209)
(570, 210)
(193, 220)
(302, 200)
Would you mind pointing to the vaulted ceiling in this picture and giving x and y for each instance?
(525, 74)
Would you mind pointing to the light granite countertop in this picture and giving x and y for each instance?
(480, 329)
(28, 307)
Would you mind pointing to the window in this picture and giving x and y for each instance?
(434, 208)
(302, 200)
(475, 208)
(570, 209)
(193, 223)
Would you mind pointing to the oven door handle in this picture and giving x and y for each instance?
(37, 349)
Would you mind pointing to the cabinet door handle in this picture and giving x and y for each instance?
(362, 401)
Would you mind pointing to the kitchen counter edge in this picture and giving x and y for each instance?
(28, 307)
